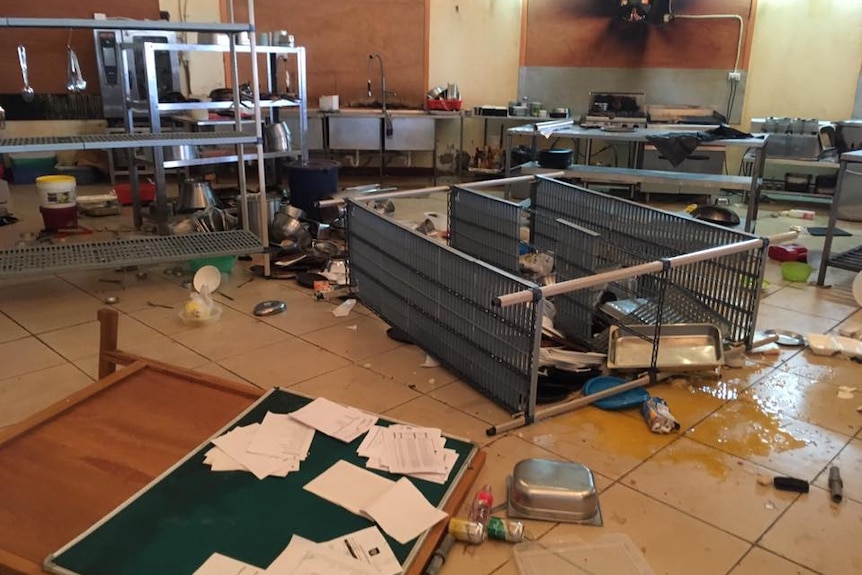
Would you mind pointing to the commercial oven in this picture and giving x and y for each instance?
(109, 46)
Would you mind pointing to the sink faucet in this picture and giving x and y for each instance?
(387, 117)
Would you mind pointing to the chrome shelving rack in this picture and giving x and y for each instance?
(66, 257)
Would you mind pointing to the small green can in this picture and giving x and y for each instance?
(505, 530)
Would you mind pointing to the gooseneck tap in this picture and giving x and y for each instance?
(387, 117)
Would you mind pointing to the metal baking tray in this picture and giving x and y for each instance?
(685, 346)
(549, 490)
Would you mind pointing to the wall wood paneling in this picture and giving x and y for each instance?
(46, 49)
(339, 36)
(582, 33)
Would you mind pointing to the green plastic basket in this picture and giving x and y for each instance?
(224, 263)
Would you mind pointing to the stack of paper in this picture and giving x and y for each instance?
(274, 447)
(419, 452)
(363, 552)
(397, 507)
(335, 420)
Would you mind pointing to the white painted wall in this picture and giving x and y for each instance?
(476, 44)
(202, 72)
(805, 59)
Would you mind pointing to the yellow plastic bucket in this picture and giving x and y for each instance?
(56, 191)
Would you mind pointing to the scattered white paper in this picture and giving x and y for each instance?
(218, 460)
(280, 435)
(368, 546)
(412, 450)
(379, 457)
(320, 561)
(450, 457)
(371, 443)
(845, 392)
(335, 420)
(218, 564)
(349, 486)
(289, 559)
(403, 512)
(398, 508)
(235, 443)
(429, 362)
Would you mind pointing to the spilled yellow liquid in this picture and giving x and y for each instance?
(748, 429)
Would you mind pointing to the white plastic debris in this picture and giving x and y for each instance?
(354, 327)
(344, 309)
(845, 392)
(429, 362)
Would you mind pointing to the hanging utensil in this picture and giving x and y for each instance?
(75, 81)
(27, 93)
(74, 77)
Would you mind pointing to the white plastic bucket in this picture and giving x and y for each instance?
(56, 191)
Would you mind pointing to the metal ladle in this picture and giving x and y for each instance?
(75, 81)
(27, 93)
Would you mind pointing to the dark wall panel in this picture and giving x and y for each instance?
(582, 33)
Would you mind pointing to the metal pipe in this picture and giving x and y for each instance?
(383, 196)
(634, 271)
(520, 421)
(512, 180)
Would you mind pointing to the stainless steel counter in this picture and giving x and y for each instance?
(634, 175)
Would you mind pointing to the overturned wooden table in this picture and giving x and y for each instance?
(111, 479)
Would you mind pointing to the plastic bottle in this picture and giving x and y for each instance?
(480, 510)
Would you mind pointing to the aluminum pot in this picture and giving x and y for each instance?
(195, 195)
(273, 206)
(276, 137)
(180, 153)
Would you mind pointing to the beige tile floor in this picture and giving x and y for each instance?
(690, 500)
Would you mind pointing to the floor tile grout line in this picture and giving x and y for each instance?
(690, 515)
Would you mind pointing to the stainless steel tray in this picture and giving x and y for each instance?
(548, 490)
(681, 347)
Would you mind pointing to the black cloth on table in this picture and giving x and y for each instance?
(677, 146)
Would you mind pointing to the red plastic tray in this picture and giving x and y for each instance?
(124, 193)
(443, 105)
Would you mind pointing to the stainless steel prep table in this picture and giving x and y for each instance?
(633, 175)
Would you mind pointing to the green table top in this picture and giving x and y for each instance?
(185, 516)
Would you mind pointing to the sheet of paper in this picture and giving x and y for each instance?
(368, 546)
(335, 420)
(412, 451)
(372, 443)
(450, 457)
(403, 512)
(235, 443)
(321, 561)
(349, 486)
(279, 435)
(289, 559)
(218, 564)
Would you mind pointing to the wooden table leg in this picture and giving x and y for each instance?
(109, 321)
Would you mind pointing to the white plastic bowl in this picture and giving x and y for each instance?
(213, 317)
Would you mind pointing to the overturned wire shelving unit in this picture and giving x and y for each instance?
(465, 304)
